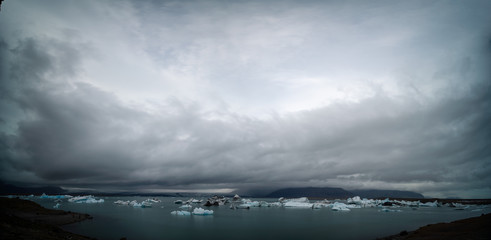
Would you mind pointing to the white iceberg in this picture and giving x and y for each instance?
(201, 211)
(135, 203)
(429, 204)
(153, 200)
(275, 204)
(85, 199)
(186, 206)
(302, 200)
(57, 205)
(337, 206)
(44, 196)
(249, 203)
(143, 204)
(181, 213)
(363, 202)
(294, 204)
(121, 202)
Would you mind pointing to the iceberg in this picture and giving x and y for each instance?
(201, 211)
(429, 204)
(45, 196)
(363, 202)
(186, 206)
(302, 202)
(302, 199)
(337, 206)
(153, 200)
(181, 213)
(389, 210)
(275, 204)
(120, 202)
(294, 204)
(85, 199)
(57, 205)
(236, 198)
(249, 203)
(143, 204)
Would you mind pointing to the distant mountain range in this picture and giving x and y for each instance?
(311, 192)
(327, 192)
(6, 189)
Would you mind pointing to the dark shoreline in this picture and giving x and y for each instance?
(24, 219)
(468, 228)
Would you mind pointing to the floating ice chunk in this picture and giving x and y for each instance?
(143, 204)
(251, 204)
(302, 200)
(57, 205)
(44, 196)
(146, 204)
(275, 204)
(85, 199)
(294, 204)
(389, 210)
(318, 205)
(153, 200)
(134, 203)
(355, 200)
(429, 204)
(186, 206)
(337, 206)
(201, 211)
(364, 202)
(236, 198)
(121, 202)
(181, 213)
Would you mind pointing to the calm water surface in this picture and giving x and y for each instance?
(112, 221)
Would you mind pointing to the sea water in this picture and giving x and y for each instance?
(112, 221)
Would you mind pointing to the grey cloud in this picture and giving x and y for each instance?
(81, 134)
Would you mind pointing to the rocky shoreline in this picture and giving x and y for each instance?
(470, 229)
(23, 219)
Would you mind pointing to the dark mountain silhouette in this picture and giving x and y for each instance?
(325, 192)
(331, 193)
(386, 193)
(6, 189)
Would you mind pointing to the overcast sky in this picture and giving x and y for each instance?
(237, 95)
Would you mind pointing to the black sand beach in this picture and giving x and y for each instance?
(23, 219)
(470, 229)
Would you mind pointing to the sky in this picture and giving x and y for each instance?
(241, 96)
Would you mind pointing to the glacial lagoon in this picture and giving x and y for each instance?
(115, 221)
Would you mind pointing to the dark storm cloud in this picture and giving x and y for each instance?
(61, 127)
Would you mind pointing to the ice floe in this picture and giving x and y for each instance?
(181, 213)
(201, 211)
(85, 199)
(389, 210)
(57, 205)
(294, 204)
(337, 206)
(121, 202)
(45, 196)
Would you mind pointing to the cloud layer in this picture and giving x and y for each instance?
(247, 95)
